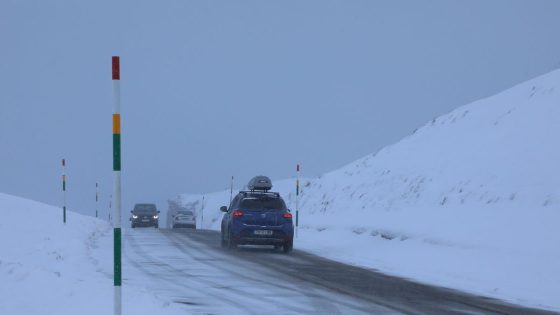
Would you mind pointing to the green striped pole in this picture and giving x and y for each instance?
(117, 182)
(63, 191)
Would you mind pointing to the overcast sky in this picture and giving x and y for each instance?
(212, 89)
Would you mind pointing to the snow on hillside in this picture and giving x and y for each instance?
(47, 267)
(471, 200)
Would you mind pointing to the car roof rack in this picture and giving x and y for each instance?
(260, 192)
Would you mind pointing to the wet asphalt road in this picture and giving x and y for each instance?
(189, 267)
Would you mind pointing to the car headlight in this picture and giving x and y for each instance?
(155, 216)
(134, 216)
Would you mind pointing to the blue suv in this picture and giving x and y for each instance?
(257, 217)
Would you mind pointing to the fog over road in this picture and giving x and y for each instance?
(189, 267)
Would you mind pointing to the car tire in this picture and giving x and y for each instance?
(223, 241)
(156, 226)
(133, 226)
(288, 246)
(231, 243)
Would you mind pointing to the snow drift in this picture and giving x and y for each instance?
(470, 200)
(47, 267)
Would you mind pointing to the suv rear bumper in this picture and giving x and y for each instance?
(247, 237)
(260, 241)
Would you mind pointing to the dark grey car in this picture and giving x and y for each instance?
(144, 214)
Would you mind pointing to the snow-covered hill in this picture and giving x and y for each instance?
(471, 200)
(47, 267)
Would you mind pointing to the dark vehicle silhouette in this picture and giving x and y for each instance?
(144, 214)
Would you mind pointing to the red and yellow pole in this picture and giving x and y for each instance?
(117, 183)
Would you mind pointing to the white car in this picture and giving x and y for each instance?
(183, 218)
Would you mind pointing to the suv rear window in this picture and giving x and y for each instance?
(263, 204)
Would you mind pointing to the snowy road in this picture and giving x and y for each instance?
(189, 268)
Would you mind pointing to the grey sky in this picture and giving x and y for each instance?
(212, 89)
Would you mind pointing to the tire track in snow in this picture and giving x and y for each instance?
(158, 264)
(324, 304)
(321, 305)
(208, 259)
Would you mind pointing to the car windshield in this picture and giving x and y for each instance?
(263, 204)
(145, 209)
(185, 213)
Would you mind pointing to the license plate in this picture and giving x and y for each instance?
(145, 220)
(262, 232)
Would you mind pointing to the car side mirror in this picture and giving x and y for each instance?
(223, 208)
(158, 211)
(131, 211)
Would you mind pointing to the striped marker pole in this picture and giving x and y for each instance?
(96, 199)
(117, 182)
(63, 191)
(297, 198)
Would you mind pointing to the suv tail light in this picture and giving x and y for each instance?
(237, 214)
(287, 216)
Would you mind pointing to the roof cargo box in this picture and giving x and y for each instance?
(260, 183)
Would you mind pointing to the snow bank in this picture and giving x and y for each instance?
(470, 200)
(47, 267)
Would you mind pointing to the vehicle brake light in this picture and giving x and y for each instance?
(237, 214)
(287, 216)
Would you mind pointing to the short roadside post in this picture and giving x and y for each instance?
(96, 199)
(63, 191)
(231, 190)
(202, 214)
(297, 199)
(117, 183)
